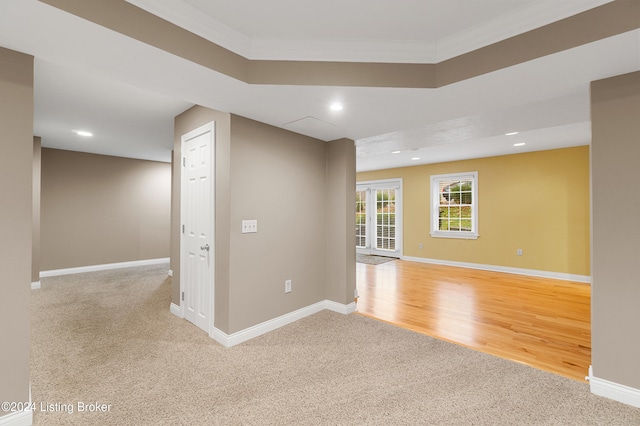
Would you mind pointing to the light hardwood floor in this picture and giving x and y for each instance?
(544, 323)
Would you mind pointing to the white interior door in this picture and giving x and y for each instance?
(197, 242)
(379, 218)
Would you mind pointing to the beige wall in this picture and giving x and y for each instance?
(16, 169)
(340, 217)
(537, 201)
(280, 179)
(615, 113)
(98, 209)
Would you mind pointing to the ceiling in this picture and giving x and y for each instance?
(127, 92)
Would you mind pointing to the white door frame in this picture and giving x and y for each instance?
(383, 184)
(209, 127)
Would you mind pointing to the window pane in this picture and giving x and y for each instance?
(465, 198)
(454, 200)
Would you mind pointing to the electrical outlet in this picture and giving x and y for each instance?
(519, 252)
(287, 286)
(420, 246)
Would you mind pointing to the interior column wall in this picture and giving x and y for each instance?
(16, 170)
(340, 221)
(615, 109)
(301, 192)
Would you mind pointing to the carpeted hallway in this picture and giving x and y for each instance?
(109, 338)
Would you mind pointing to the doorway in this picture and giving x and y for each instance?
(197, 243)
(379, 218)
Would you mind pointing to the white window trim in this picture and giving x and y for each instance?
(395, 183)
(435, 194)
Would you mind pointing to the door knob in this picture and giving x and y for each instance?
(205, 247)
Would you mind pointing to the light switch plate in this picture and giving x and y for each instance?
(249, 226)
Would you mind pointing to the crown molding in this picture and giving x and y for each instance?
(197, 22)
(534, 15)
(343, 51)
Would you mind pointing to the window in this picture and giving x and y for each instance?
(454, 205)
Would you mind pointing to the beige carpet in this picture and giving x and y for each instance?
(108, 337)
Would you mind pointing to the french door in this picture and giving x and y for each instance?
(379, 218)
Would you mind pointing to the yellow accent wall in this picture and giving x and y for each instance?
(537, 201)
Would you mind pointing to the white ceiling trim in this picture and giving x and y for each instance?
(192, 19)
(511, 24)
(524, 19)
(343, 50)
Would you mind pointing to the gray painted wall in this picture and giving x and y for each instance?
(615, 153)
(98, 209)
(278, 178)
(16, 170)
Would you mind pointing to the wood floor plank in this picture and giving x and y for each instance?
(541, 322)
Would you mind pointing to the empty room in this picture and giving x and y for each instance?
(280, 212)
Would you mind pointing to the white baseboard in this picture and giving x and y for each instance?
(36, 285)
(18, 418)
(94, 268)
(506, 269)
(229, 340)
(340, 308)
(175, 310)
(617, 392)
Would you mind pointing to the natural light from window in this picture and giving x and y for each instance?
(454, 205)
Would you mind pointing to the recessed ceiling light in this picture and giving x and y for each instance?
(395, 152)
(83, 133)
(511, 133)
(415, 158)
(336, 106)
(519, 144)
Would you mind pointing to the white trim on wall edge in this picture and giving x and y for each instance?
(617, 392)
(340, 308)
(94, 268)
(506, 269)
(36, 285)
(229, 340)
(19, 418)
(175, 310)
